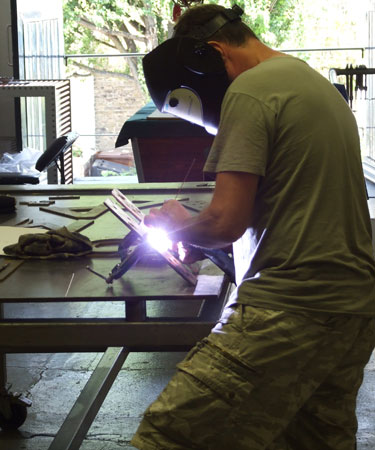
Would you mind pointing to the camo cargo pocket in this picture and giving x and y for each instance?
(203, 402)
(230, 379)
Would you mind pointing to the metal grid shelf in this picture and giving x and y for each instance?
(57, 114)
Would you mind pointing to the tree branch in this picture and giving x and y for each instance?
(105, 43)
(120, 75)
(107, 32)
(272, 5)
(92, 70)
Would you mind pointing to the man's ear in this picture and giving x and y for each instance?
(221, 47)
(217, 46)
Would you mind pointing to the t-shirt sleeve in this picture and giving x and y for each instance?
(244, 138)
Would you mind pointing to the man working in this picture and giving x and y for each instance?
(282, 368)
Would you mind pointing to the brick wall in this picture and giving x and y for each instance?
(116, 99)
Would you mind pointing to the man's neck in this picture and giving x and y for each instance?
(251, 54)
(237, 59)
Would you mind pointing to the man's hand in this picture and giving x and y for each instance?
(189, 254)
(218, 225)
(171, 216)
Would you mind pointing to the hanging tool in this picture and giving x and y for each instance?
(361, 80)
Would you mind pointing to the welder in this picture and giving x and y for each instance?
(282, 367)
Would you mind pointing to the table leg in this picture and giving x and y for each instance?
(78, 422)
(3, 365)
(135, 310)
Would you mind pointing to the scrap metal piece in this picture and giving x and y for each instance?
(79, 225)
(24, 221)
(106, 248)
(8, 267)
(4, 266)
(29, 223)
(47, 226)
(38, 203)
(64, 197)
(81, 212)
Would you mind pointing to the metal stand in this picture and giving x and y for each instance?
(85, 409)
(3, 365)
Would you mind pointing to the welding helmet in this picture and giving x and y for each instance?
(186, 76)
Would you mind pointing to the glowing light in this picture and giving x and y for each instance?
(211, 129)
(159, 240)
(181, 250)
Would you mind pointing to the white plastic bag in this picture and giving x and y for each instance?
(22, 163)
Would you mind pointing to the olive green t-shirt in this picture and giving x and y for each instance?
(308, 246)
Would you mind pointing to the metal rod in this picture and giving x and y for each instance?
(104, 55)
(130, 55)
(95, 273)
(353, 71)
(329, 49)
(3, 360)
(185, 178)
(69, 285)
(78, 422)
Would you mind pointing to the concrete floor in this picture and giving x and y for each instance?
(55, 380)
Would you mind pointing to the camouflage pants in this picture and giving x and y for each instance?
(264, 379)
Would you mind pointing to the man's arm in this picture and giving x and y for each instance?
(221, 223)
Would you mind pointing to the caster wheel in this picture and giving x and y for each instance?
(18, 417)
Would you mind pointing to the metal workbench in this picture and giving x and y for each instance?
(188, 315)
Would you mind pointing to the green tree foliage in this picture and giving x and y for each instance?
(126, 26)
(131, 26)
(271, 20)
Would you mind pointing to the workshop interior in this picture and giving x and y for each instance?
(94, 314)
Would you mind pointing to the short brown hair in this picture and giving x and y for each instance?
(193, 21)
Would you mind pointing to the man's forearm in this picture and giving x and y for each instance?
(220, 224)
(204, 230)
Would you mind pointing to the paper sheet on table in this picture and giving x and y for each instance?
(10, 235)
